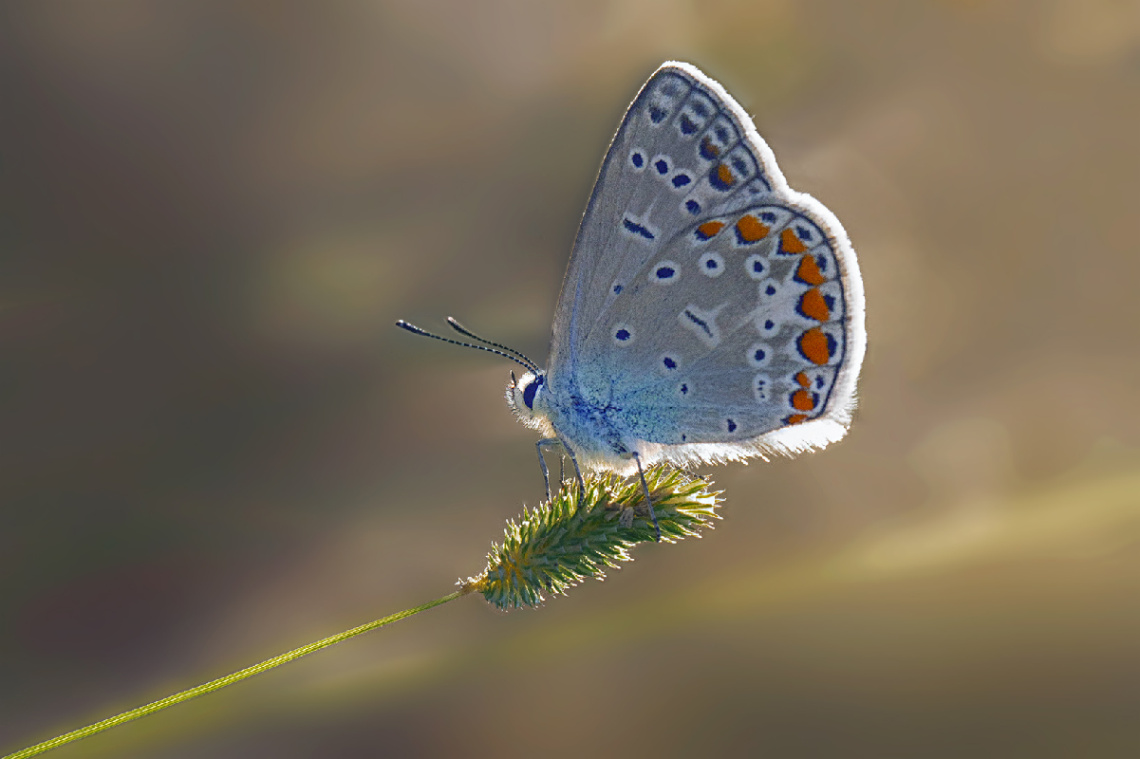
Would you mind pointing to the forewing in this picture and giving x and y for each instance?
(684, 151)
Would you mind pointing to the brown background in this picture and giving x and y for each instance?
(215, 446)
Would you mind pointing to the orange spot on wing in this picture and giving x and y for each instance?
(814, 344)
(724, 174)
(813, 306)
(750, 229)
(710, 228)
(802, 400)
(796, 419)
(790, 243)
(802, 379)
(708, 149)
(808, 271)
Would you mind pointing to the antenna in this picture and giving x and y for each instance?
(527, 364)
(455, 325)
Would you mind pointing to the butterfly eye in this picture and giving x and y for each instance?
(532, 390)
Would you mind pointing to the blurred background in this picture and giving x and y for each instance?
(216, 446)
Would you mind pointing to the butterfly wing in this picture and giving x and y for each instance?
(715, 318)
(742, 337)
(682, 152)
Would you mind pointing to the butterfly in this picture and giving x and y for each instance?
(709, 312)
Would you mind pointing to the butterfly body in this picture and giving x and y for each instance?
(709, 312)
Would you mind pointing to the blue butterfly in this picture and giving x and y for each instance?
(709, 312)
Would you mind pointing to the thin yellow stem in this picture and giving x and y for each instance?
(229, 679)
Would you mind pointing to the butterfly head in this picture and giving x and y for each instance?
(526, 395)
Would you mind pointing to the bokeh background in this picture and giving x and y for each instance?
(216, 446)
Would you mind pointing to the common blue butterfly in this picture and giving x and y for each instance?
(709, 312)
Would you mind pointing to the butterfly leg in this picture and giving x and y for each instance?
(577, 473)
(549, 443)
(648, 497)
(545, 443)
